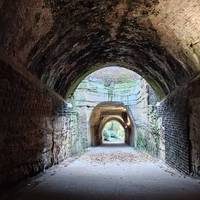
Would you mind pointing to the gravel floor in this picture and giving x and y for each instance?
(110, 172)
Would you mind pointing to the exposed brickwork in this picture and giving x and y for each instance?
(180, 119)
(174, 112)
(194, 103)
(34, 126)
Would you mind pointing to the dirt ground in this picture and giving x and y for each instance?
(109, 172)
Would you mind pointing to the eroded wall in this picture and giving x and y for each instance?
(37, 128)
(135, 93)
(178, 25)
(60, 41)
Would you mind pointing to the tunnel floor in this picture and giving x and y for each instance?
(109, 172)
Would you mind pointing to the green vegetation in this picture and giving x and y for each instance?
(148, 136)
(113, 131)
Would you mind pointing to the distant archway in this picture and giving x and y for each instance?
(113, 132)
(106, 112)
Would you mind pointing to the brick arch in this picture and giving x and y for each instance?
(61, 46)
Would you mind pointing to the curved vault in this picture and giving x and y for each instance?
(60, 42)
(108, 111)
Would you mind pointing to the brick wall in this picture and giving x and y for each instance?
(34, 125)
(194, 125)
(175, 113)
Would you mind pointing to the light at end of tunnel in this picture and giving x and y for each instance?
(158, 104)
(69, 105)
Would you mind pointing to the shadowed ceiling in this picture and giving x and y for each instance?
(60, 42)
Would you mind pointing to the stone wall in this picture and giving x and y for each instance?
(34, 125)
(147, 124)
(177, 22)
(174, 113)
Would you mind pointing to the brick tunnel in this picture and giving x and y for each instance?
(47, 47)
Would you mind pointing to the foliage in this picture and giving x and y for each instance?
(113, 130)
(148, 135)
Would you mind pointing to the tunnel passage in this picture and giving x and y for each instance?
(48, 47)
(108, 111)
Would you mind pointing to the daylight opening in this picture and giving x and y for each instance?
(113, 132)
(110, 93)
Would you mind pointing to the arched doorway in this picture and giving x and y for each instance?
(106, 112)
(113, 132)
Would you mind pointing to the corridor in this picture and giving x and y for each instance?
(109, 172)
(70, 71)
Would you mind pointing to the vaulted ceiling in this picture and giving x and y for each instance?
(61, 41)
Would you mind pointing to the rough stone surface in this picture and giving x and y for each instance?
(180, 121)
(61, 41)
(34, 126)
(178, 25)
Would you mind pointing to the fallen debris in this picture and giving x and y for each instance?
(103, 158)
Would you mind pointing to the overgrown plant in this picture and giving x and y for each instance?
(148, 135)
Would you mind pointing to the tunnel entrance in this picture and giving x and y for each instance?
(67, 70)
(113, 133)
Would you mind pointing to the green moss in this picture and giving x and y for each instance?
(113, 130)
(148, 136)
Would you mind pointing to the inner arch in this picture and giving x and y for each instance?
(113, 132)
(160, 91)
(109, 111)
